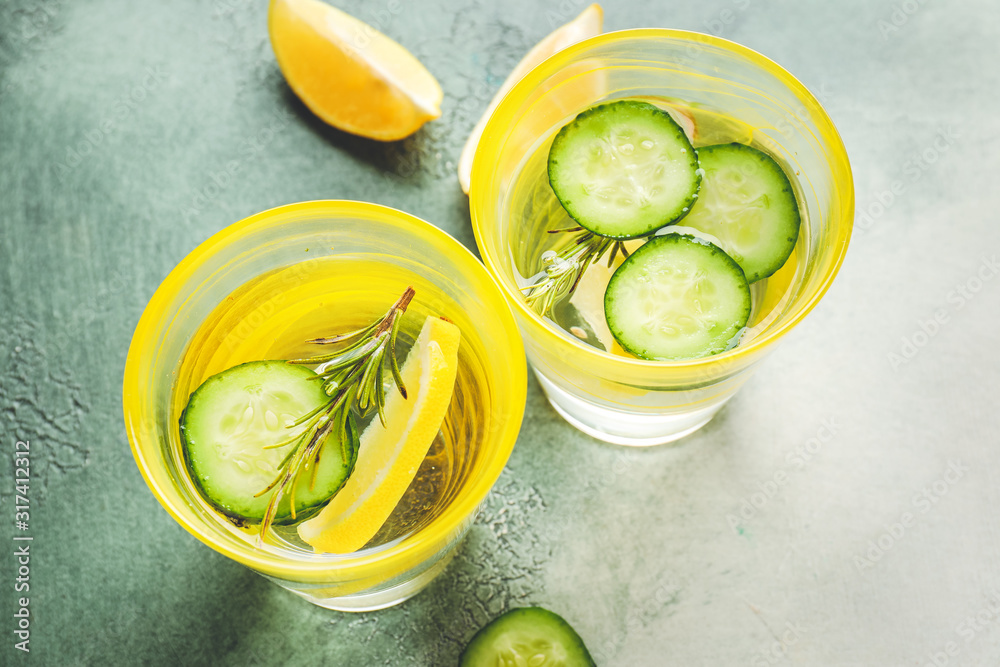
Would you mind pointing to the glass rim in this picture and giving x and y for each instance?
(414, 548)
(489, 149)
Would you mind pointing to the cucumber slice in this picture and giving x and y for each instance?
(624, 169)
(529, 636)
(677, 297)
(229, 420)
(747, 202)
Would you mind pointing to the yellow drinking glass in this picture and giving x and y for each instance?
(255, 283)
(732, 94)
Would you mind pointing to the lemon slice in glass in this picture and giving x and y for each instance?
(390, 455)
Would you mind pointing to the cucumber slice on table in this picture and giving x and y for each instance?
(624, 169)
(530, 636)
(677, 297)
(233, 416)
(747, 202)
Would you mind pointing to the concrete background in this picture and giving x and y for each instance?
(646, 553)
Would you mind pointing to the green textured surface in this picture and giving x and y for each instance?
(632, 547)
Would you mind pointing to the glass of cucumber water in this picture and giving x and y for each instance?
(209, 396)
(660, 208)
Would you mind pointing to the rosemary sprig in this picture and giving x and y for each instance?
(353, 379)
(561, 272)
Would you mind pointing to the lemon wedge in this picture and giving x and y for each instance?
(349, 74)
(390, 456)
(587, 24)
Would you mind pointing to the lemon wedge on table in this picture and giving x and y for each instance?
(349, 74)
(587, 24)
(389, 456)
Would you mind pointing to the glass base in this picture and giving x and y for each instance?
(378, 599)
(632, 429)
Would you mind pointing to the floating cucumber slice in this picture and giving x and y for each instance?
(677, 297)
(624, 169)
(747, 202)
(529, 636)
(233, 416)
